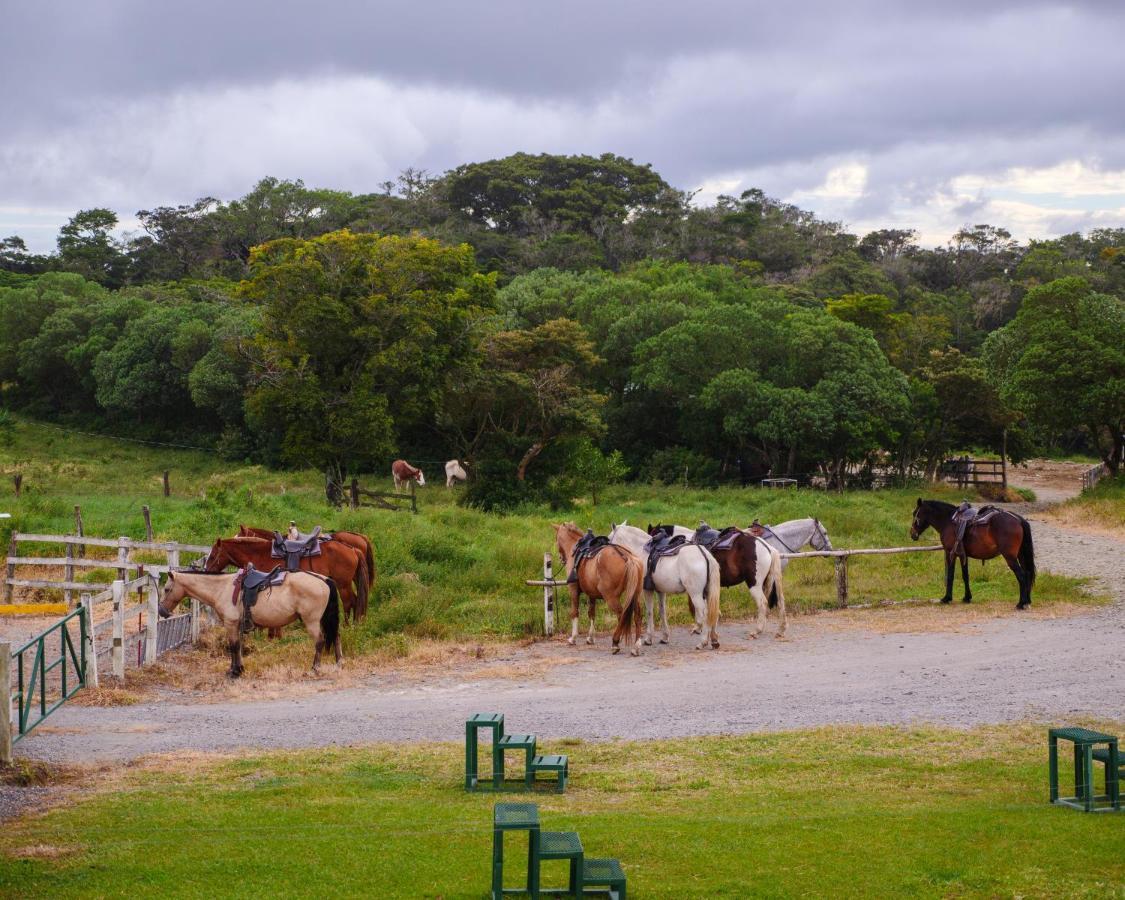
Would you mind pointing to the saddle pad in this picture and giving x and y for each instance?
(587, 548)
(658, 548)
(727, 537)
(293, 551)
(249, 581)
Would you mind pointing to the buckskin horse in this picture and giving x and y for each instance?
(312, 599)
(343, 564)
(613, 574)
(1003, 534)
(692, 571)
(353, 539)
(402, 472)
(745, 559)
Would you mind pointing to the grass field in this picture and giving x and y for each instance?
(452, 572)
(1102, 507)
(843, 812)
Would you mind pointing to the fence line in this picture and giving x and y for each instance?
(1093, 475)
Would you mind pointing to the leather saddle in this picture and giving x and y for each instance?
(966, 517)
(588, 546)
(714, 539)
(294, 549)
(249, 584)
(658, 548)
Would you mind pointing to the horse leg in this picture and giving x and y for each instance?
(1017, 570)
(234, 647)
(593, 609)
(968, 598)
(648, 617)
(573, 614)
(781, 611)
(762, 603)
(664, 618)
(950, 561)
(347, 599)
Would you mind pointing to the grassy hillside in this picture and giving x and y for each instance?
(451, 571)
(918, 812)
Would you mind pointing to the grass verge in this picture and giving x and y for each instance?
(1101, 508)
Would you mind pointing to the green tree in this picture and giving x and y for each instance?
(88, 248)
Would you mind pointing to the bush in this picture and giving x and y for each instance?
(677, 465)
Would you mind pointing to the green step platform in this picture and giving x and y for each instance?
(534, 763)
(587, 876)
(1086, 752)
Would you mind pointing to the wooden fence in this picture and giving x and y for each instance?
(74, 558)
(965, 472)
(839, 557)
(1092, 476)
(382, 499)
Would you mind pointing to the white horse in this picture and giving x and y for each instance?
(454, 472)
(692, 571)
(791, 536)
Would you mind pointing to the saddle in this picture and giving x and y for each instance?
(588, 546)
(248, 584)
(660, 546)
(967, 517)
(294, 549)
(713, 539)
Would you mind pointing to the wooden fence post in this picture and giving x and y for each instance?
(1004, 460)
(10, 569)
(355, 493)
(548, 597)
(68, 573)
(87, 602)
(167, 487)
(119, 629)
(148, 522)
(17, 482)
(6, 695)
(413, 497)
(841, 581)
(153, 623)
(123, 558)
(78, 530)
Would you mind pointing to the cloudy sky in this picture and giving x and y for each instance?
(874, 113)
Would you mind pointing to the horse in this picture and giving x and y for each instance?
(614, 574)
(343, 564)
(791, 536)
(402, 472)
(750, 561)
(353, 539)
(1004, 534)
(312, 599)
(692, 571)
(454, 472)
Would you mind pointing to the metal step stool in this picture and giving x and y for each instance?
(605, 876)
(550, 763)
(561, 845)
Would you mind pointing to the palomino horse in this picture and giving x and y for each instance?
(614, 575)
(791, 536)
(1004, 534)
(343, 564)
(748, 561)
(302, 595)
(353, 539)
(402, 472)
(692, 571)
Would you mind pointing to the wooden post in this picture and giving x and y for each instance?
(78, 530)
(10, 569)
(355, 493)
(87, 602)
(68, 572)
(841, 581)
(17, 482)
(153, 623)
(413, 497)
(548, 598)
(148, 522)
(1004, 460)
(167, 488)
(6, 694)
(123, 558)
(119, 629)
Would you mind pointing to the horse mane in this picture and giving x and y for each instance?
(939, 505)
(244, 539)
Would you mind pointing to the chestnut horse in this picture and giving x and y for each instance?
(343, 564)
(402, 472)
(1005, 534)
(302, 595)
(353, 539)
(614, 575)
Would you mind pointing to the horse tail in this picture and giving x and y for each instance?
(330, 618)
(1027, 553)
(363, 583)
(370, 555)
(634, 576)
(774, 577)
(711, 590)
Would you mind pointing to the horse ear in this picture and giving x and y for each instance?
(171, 576)
(919, 503)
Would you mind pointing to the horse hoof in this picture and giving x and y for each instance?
(570, 641)
(714, 645)
(946, 600)
(590, 641)
(697, 630)
(966, 599)
(648, 642)
(664, 640)
(616, 650)
(753, 635)
(780, 636)
(1023, 605)
(634, 652)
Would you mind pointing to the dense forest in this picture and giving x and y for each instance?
(563, 319)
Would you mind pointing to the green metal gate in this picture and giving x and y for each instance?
(36, 663)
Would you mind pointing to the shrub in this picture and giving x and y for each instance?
(677, 465)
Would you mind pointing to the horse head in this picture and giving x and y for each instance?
(219, 557)
(819, 539)
(920, 522)
(172, 594)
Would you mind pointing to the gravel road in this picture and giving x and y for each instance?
(1012, 668)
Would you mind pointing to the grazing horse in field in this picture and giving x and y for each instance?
(312, 599)
(402, 472)
(1003, 533)
(454, 472)
(612, 574)
(353, 539)
(692, 571)
(791, 536)
(745, 559)
(343, 564)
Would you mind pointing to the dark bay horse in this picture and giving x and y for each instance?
(343, 564)
(1004, 534)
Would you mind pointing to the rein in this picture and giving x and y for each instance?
(768, 530)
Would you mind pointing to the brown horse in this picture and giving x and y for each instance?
(353, 539)
(1005, 534)
(310, 598)
(614, 575)
(341, 563)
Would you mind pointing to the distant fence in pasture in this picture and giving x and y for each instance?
(357, 496)
(75, 548)
(1093, 475)
(966, 472)
(839, 557)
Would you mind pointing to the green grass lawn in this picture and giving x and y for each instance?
(453, 572)
(834, 812)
